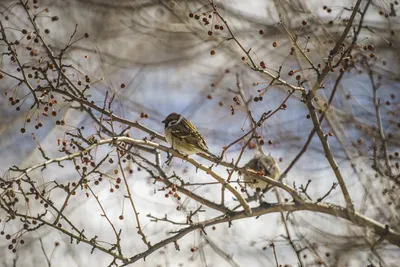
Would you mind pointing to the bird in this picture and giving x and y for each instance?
(265, 164)
(182, 135)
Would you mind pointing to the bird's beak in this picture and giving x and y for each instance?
(164, 121)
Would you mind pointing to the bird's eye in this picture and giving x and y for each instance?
(174, 122)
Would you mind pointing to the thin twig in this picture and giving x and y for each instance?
(44, 253)
(276, 258)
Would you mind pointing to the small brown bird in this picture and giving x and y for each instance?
(182, 135)
(265, 164)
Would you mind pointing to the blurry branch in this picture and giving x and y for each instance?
(273, 182)
(44, 253)
(304, 189)
(311, 94)
(71, 93)
(317, 124)
(220, 251)
(265, 116)
(377, 104)
(313, 131)
(301, 50)
(328, 154)
(327, 193)
(15, 56)
(335, 51)
(346, 57)
(177, 154)
(128, 140)
(288, 235)
(74, 93)
(117, 234)
(252, 64)
(140, 231)
(276, 259)
(360, 220)
(78, 238)
(254, 126)
(165, 179)
(165, 219)
(246, 102)
(43, 165)
(110, 114)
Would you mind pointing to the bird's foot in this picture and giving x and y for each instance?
(169, 159)
(261, 197)
(185, 158)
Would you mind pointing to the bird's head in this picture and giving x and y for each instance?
(172, 119)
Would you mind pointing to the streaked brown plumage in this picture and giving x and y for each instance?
(182, 135)
(265, 164)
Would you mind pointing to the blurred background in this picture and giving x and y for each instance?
(163, 56)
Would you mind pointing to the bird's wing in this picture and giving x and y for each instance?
(185, 130)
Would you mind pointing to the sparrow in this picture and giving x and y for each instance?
(182, 135)
(264, 164)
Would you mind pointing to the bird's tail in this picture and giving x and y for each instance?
(208, 153)
(212, 155)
